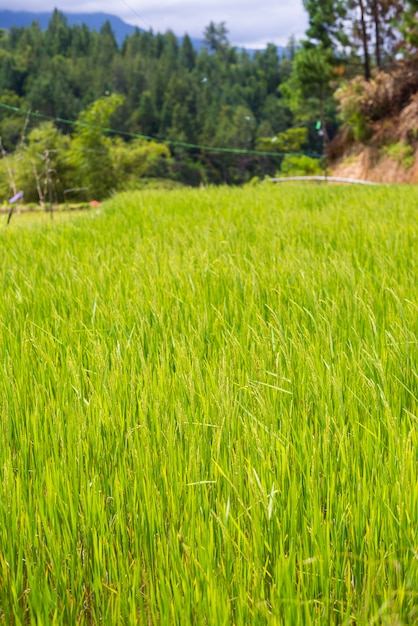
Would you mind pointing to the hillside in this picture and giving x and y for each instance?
(379, 140)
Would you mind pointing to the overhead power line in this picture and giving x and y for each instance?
(137, 14)
(170, 142)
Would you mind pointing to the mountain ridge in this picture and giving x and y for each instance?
(94, 21)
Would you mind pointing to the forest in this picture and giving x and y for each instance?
(74, 105)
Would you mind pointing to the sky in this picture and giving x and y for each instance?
(251, 23)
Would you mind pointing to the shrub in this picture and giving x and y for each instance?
(402, 153)
(351, 99)
(363, 102)
(300, 166)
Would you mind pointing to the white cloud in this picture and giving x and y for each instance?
(249, 23)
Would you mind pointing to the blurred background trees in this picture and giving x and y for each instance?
(177, 102)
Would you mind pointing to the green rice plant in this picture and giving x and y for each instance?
(209, 404)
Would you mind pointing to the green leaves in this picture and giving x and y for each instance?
(215, 36)
(313, 67)
(326, 22)
(291, 140)
(409, 28)
(90, 147)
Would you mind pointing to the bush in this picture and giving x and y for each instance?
(402, 153)
(300, 166)
(363, 102)
(352, 98)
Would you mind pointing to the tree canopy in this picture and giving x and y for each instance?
(217, 114)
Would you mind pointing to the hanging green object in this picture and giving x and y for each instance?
(318, 125)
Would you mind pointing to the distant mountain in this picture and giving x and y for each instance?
(93, 20)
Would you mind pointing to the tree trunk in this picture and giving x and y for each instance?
(365, 42)
(376, 19)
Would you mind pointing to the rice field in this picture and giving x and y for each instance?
(209, 410)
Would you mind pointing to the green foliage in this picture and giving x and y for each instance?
(138, 159)
(408, 25)
(236, 128)
(92, 153)
(187, 52)
(291, 140)
(53, 91)
(308, 93)
(313, 68)
(216, 36)
(58, 35)
(351, 98)
(300, 166)
(147, 115)
(44, 158)
(48, 163)
(402, 153)
(361, 102)
(6, 190)
(11, 123)
(326, 21)
(358, 32)
(170, 92)
(309, 85)
(209, 410)
(90, 148)
(38, 166)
